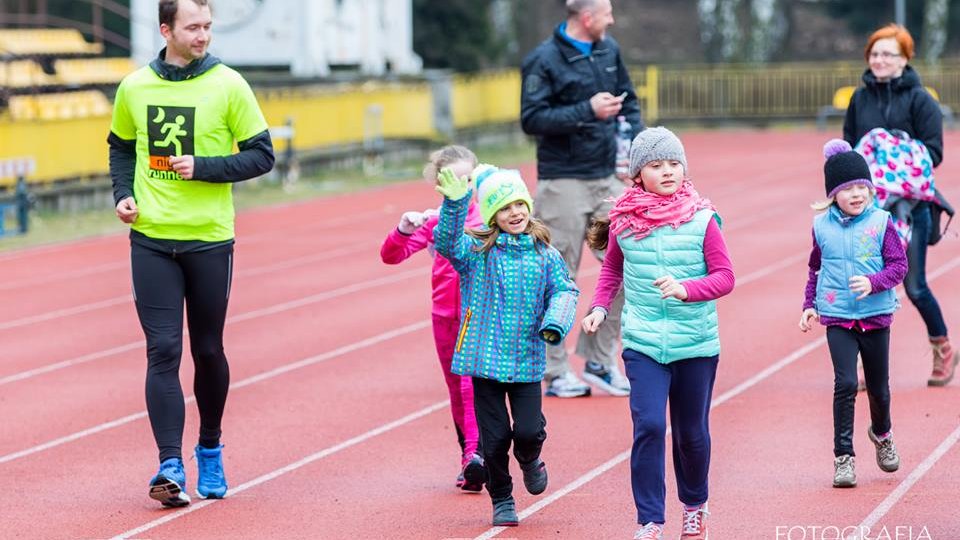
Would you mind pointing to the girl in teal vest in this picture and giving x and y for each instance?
(857, 260)
(664, 246)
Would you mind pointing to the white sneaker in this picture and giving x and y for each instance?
(602, 377)
(567, 386)
(650, 531)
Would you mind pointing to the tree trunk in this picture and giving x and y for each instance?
(767, 30)
(719, 29)
(935, 29)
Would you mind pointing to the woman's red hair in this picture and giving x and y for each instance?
(895, 31)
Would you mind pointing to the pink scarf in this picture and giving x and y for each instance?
(639, 212)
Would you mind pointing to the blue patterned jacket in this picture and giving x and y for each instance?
(507, 296)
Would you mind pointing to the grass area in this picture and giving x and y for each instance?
(50, 227)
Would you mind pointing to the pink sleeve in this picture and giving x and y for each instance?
(611, 275)
(719, 280)
(398, 247)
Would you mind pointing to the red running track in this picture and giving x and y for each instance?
(337, 425)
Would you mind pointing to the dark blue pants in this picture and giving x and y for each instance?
(688, 384)
(915, 283)
(874, 349)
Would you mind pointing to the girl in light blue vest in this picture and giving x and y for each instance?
(664, 246)
(857, 260)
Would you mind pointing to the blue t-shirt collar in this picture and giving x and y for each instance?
(583, 46)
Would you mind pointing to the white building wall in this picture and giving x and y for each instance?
(309, 36)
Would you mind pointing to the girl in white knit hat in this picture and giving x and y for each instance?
(664, 246)
(516, 296)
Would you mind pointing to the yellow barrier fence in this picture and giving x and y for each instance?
(345, 114)
(63, 149)
(488, 98)
(334, 115)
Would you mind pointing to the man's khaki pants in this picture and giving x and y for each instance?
(567, 205)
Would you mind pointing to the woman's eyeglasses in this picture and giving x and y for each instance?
(885, 55)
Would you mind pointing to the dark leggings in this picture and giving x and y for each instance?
(527, 432)
(915, 282)
(874, 349)
(162, 282)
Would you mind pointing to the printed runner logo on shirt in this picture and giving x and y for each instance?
(170, 133)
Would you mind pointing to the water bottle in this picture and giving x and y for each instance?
(624, 138)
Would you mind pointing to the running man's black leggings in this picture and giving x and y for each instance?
(162, 282)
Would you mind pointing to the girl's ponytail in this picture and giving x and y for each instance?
(599, 233)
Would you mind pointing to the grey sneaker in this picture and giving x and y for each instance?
(567, 386)
(844, 475)
(610, 380)
(505, 513)
(887, 457)
(534, 477)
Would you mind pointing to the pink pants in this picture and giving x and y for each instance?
(445, 331)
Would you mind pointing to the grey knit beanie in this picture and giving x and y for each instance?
(653, 144)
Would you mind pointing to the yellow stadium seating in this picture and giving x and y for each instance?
(60, 106)
(80, 71)
(23, 74)
(59, 41)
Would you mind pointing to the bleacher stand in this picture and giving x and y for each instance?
(48, 74)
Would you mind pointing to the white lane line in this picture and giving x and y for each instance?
(66, 312)
(625, 455)
(340, 351)
(915, 475)
(110, 302)
(270, 268)
(726, 396)
(16, 284)
(270, 310)
(289, 468)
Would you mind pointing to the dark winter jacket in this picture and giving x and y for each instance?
(903, 103)
(558, 82)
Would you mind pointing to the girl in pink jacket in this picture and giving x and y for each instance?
(414, 233)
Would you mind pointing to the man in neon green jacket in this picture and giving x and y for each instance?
(172, 165)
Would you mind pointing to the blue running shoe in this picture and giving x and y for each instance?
(211, 482)
(169, 486)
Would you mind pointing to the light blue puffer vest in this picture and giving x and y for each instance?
(850, 247)
(667, 330)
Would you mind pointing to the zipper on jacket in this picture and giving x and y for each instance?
(463, 329)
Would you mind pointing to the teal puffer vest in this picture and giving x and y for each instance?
(667, 330)
(850, 247)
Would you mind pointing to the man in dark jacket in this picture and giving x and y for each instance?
(574, 86)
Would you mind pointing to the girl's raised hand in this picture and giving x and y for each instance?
(807, 317)
(862, 285)
(592, 321)
(452, 187)
(411, 221)
(670, 287)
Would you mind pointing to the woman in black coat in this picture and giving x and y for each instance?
(893, 98)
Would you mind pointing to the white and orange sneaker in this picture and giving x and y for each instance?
(650, 531)
(694, 523)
